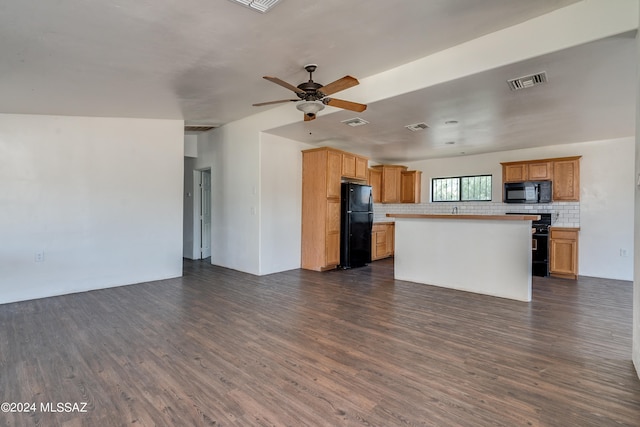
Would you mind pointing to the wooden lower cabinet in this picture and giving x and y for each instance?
(563, 259)
(332, 245)
(382, 240)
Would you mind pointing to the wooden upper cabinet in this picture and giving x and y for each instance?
(375, 181)
(539, 171)
(564, 172)
(394, 184)
(526, 171)
(390, 189)
(514, 172)
(348, 165)
(566, 179)
(410, 185)
(354, 166)
(334, 171)
(362, 167)
(391, 181)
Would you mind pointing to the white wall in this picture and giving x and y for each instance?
(233, 154)
(606, 198)
(188, 215)
(280, 203)
(607, 189)
(101, 197)
(190, 145)
(256, 193)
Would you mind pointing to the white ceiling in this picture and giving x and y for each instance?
(589, 96)
(202, 61)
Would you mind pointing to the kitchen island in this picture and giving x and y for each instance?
(485, 254)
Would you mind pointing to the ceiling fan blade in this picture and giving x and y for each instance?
(259, 104)
(341, 84)
(283, 84)
(347, 105)
(309, 117)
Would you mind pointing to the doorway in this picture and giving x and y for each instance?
(205, 213)
(197, 231)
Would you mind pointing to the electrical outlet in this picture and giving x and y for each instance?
(39, 256)
(623, 252)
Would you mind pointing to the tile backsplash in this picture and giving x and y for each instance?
(565, 214)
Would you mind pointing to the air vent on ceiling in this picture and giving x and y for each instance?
(417, 126)
(356, 121)
(198, 128)
(262, 6)
(526, 82)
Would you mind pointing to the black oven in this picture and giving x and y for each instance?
(539, 243)
(540, 254)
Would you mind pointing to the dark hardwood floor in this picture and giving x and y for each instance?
(299, 348)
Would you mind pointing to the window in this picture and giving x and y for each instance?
(461, 189)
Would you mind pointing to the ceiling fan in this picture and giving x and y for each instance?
(312, 96)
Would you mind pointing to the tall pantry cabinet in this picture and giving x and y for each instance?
(322, 169)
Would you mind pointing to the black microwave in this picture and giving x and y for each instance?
(527, 192)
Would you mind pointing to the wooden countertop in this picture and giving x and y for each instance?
(383, 222)
(464, 216)
(562, 228)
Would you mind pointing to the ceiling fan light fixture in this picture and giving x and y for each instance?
(314, 96)
(310, 107)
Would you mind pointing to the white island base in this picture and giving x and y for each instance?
(484, 254)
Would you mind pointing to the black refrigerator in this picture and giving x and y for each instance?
(355, 225)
